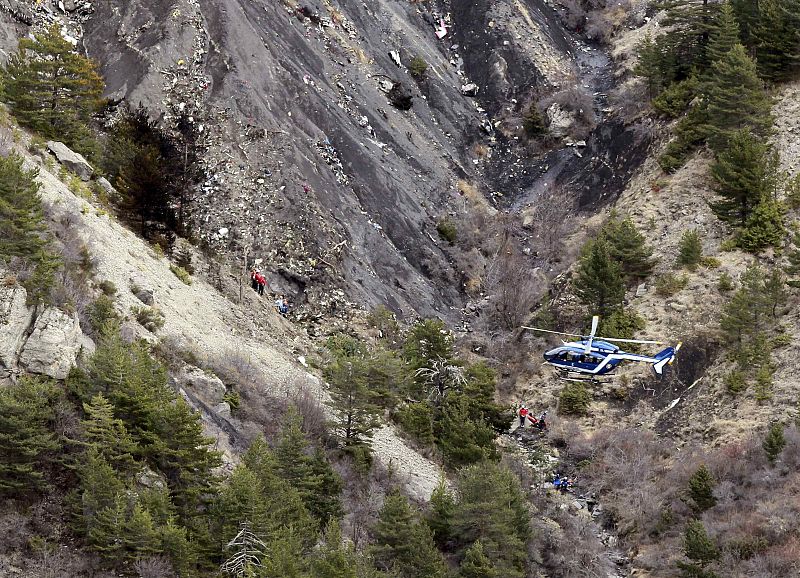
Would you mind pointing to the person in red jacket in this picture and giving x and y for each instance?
(262, 281)
(523, 413)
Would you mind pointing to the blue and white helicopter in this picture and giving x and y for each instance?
(592, 356)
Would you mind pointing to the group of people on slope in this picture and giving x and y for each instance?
(562, 484)
(525, 414)
(258, 282)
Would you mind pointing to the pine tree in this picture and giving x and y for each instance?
(690, 23)
(176, 546)
(701, 490)
(735, 99)
(650, 65)
(311, 475)
(700, 549)
(107, 531)
(627, 247)
(476, 564)
(724, 33)
(745, 173)
(746, 12)
(774, 442)
(533, 122)
(690, 249)
(598, 281)
(745, 313)
(427, 341)
(23, 233)
(107, 434)
(440, 514)
(777, 38)
(141, 538)
(775, 293)
(403, 544)
(335, 559)
(462, 440)
(491, 507)
(351, 399)
(53, 89)
(26, 438)
(99, 487)
(764, 227)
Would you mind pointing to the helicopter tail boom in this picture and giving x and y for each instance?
(663, 358)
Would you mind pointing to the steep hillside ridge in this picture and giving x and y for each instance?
(209, 324)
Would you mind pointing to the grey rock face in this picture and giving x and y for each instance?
(142, 289)
(71, 160)
(15, 319)
(208, 388)
(54, 344)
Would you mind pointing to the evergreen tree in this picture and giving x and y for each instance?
(627, 247)
(724, 33)
(440, 515)
(23, 233)
(141, 538)
(690, 249)
(335, 559)
(53, 89)
(700, 549)
(777, 38)
(533, 122)
(701, 489)
(775, 293)
(311, 475)
(764, 227)
(747, 15)
(99, 487)
(403, 544)
(491, 507)
(745, 173)
(177, 547)
(690, 23)
(26, 438)
(650, 65)
(107, 434)
(479, 388)
(106, 533)
(598, 281)
(427, 341)
(774, 442)
(735, 99)
(745, 313)
(793, 268)
(461, 439)
(351, 399)
(476, 564)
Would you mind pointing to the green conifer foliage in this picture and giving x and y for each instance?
(440, 514)
(690, 23)
(462, 440)
(700, 549)
(23, 233)
(774, 442)
(403, 544)
(598, 282)
(746, 12)
(777, 38)
(650, 65)
(745, 173)
(492, 508)
(690, 249)
(735, 99)
(335, 559)
(764, 227)
(311, 475)
(427, 341)
(627, 247)
(724, 33)
(107, 434)
(141, 538)
(533, 122)
(356, 414)
(701, 489)
(476, 564)
(745, 313)
(26, 416)
(53, 89)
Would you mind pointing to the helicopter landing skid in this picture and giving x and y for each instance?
(577, 378)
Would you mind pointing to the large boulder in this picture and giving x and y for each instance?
(142, 289)
(15, 319)
(71, 160)
(53, 345)
(206, 387)
(561, 120)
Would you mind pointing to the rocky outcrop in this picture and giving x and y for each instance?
(143, 289)
(206, 387)
(46, 344)
(15, 319)
(71, 160)
(53, 345)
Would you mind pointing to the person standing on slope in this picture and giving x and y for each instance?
(523, 413)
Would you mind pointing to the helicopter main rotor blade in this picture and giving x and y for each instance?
(588, 348)
(617, 340)
(554, 332)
